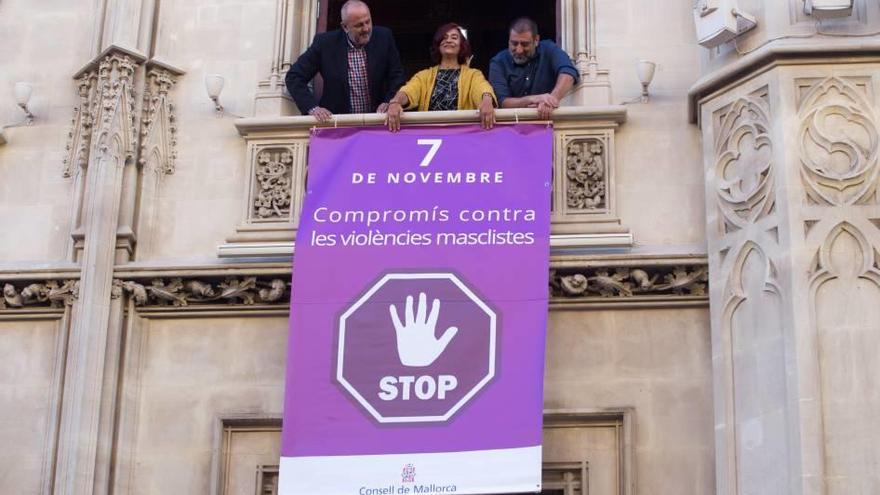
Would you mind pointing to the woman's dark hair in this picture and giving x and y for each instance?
(463, 54)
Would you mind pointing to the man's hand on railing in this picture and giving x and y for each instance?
(545, 110)
(546, 99)
(545, 104)
(321, 114)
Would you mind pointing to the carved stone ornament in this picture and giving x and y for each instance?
(839, 144)
(116, 132)
(158, 127)
(272, 184)
(738, 286)
(743, 167)
(186, 292)
(624, 282)
(830, 263)
(80, 135)
(44, 294)
(586, 174)
(104, 120)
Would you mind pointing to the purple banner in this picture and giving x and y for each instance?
(418, 315)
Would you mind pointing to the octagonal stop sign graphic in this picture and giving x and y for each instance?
(416, 347)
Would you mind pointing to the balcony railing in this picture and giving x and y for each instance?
(584, 201)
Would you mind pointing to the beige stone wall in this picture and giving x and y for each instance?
(42, 44)
(658, 150)
(653, 361)
(192, 373)
(233, 39)
(28, 395)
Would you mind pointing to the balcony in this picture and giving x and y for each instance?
(583, 217)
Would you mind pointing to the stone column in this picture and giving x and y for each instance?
(295, 22)
(579, 40)
(86, 413)
(793, 213)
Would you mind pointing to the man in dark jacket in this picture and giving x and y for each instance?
(359, 63)
(531, 73)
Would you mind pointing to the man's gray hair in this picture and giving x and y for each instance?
(524, 24)
(349, 4)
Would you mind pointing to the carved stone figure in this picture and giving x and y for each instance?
(11, 297)
(276, 289)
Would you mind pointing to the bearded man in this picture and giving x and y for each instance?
(531, 73)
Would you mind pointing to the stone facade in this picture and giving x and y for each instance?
(714, 276)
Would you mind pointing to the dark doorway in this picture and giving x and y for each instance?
(414, 23)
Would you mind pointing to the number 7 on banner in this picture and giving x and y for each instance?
(434, 144)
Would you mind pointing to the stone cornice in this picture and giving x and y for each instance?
(832, 50)
(601, 281)
(280, 126)
(32, 273)
(144, 271)
(158, 63)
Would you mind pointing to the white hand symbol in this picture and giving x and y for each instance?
(417, 346)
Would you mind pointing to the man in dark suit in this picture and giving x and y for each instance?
(359, 63)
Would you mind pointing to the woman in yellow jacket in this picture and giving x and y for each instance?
(449, 85)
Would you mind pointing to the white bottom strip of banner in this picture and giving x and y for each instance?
(479, 471)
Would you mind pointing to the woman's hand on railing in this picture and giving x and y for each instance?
(392, 116)
(394, 109)
(487, 111)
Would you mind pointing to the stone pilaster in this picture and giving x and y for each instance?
(294, 28)
(793, 213)
(87, 410)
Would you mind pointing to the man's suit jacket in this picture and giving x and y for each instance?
(328, 55)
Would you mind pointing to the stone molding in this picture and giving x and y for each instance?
(584, 199)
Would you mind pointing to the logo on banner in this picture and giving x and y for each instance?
(416, 347)
(408, 475)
